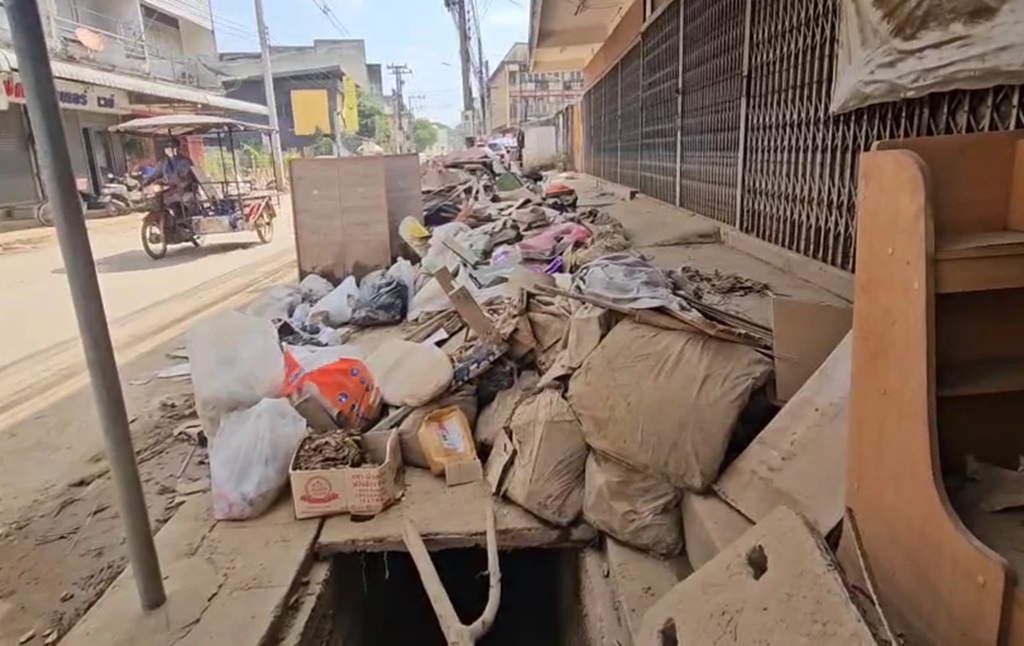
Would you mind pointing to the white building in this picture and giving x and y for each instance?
(112, 60)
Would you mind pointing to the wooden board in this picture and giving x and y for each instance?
(777, 584)
(970, 177)
(404, 196)
(936, 581)
(805, 333)
(446, 517)
(341, 216)
(798, 459)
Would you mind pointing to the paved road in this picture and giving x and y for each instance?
(42, 440)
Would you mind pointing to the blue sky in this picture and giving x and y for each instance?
(418, 33)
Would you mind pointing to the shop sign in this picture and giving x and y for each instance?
(74, 96)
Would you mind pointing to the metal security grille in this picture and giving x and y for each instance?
(712, 94)
(602, 140)
(612, 124)
(660, 125)
(588, 132)
(630, 69)
(800, 171)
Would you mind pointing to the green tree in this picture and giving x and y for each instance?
(373, 122)
(424, 134)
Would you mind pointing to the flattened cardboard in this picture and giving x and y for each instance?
(805, 333)
(361, 491)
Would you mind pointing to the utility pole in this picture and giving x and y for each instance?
(481, 71)
(55, 166)
(459, 6)
(399, 71)
(268, 87)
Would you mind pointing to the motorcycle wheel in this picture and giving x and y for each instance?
(154, 240)
(113, 208)
(265, 228)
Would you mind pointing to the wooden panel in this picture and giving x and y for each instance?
(402, 181)
(340, 211)
(795, 460)
(936, 580)
(979, 326)
(979, 273)
(998, 440)
(805, 333)
(970, 177)
(1015, 218)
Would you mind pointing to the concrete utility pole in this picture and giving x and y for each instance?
(398, 71)
(59, 179)
(467, 87)
(268, 88)
(481, 71)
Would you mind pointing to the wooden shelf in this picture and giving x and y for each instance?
(979, 261)
(981, 377)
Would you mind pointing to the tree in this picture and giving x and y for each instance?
(373, 122)
(424, 134)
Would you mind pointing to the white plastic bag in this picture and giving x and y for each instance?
(250, 456)
(336, 308)
(405, 272)
(236, 361)
(315, 287)
(439, 255)
(278, 302)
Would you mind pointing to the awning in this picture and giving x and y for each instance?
(85, 74)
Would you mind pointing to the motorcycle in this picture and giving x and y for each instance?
(121, 195)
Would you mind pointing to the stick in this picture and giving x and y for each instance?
(456, 633)
(868, 579)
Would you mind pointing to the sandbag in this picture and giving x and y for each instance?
(410, 374)
(665, 402)
(633, 507)
(236, 361)
(549, 320)
(546, 473)
(412, 453)
(495, 416)
(383, 300)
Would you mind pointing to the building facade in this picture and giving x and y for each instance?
(112, 60)
(516, 94)
(722, 107)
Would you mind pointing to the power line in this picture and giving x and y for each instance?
(329, 13)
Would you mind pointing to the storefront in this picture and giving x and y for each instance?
(87, 112)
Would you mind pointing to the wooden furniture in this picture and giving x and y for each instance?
(937, 374)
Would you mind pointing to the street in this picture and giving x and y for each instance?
(147, 303)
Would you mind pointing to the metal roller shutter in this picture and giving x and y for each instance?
(629, 118)
(660, 99)
(17, 174)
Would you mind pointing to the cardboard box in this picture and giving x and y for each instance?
(362, 491)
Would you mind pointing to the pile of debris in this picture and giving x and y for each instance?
(526, 346)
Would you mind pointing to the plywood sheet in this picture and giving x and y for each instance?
(446, 517)
(404, 195)
(805, 333)
(799, 459)
(775, 585)
(341, 216)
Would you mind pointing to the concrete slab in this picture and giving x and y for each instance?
(776, 585)
(640, 579)
(601, 623)
(226, 582)
(447, 517)
(709, 526)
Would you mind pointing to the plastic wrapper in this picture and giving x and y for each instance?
(446, 438)
(315, 287)
(249, 458)
(339, 381)
(236, 362)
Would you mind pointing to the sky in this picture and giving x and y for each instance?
(417, 33)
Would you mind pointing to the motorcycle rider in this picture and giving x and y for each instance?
(174, 170)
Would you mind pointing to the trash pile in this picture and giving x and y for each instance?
(527, 347)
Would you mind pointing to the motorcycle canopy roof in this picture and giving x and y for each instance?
(182, 125)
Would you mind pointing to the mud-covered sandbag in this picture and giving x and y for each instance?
(665, 402)
(383, 300)
(412, 453)
(494, 417)
(410, 374)
(637, 509)
(546, 471)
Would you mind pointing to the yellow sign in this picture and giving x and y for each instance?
(350, 113)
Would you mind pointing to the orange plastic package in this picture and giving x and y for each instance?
(446, 438)
(345, 388)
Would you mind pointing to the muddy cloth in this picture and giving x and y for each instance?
(637, 509)
(383, 300)
(627, 281)
(551, 242)
(665, 402)
(547, 457)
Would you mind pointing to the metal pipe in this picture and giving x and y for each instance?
(58, 177)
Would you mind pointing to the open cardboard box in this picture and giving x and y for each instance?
(362, 491)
